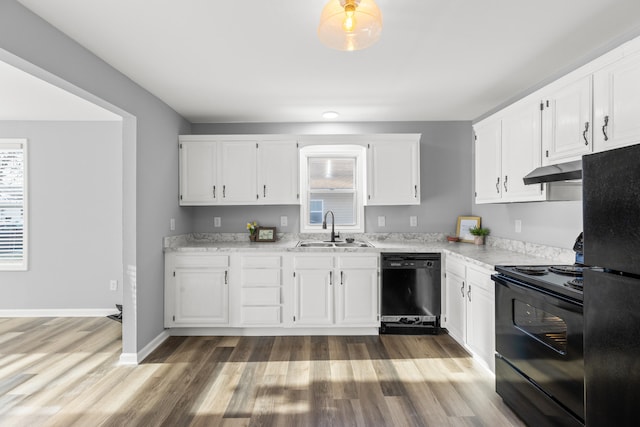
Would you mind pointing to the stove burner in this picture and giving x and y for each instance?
(576, 283)
(532, 270)
(568, 270)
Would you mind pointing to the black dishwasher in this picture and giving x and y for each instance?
(410, 293)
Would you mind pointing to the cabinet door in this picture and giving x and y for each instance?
(455, 305)
(393, 173)
(313, 296)
(481, 316)
(566, 123)
(201, 297)
(616, 105)
(357, 299)
(198, 173)
(488, 161)
(278, 172)
(238, 164)
(521, 152)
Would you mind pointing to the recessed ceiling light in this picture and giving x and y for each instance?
(330, 115)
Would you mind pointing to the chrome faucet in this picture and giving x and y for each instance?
(333, 223)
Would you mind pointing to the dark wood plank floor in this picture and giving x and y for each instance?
(64, 372)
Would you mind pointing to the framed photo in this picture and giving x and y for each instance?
(266, 234)
(465, 223)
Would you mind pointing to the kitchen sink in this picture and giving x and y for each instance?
(339, 244)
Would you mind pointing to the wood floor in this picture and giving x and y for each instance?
(64, 372)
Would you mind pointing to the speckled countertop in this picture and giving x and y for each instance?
(496, 252)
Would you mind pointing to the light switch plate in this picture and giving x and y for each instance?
(413, 221)
(217, 221)
(284, 221)
(113, 285)
(172, 224)
(518, 226)
(381, 221)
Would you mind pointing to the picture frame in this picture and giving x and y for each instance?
(266, 234)
(465, 223)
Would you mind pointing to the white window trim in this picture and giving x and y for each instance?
(23, 264)
(347, 151)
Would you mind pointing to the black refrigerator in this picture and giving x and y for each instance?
(611, 214)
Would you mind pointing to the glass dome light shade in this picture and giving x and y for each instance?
(367, 24)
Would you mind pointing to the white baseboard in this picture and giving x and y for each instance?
(60, 312)
(136, 358)
(275, 331)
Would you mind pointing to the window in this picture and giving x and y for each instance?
(13, 207)
(332, 180)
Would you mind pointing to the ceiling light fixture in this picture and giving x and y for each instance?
(330, 115)
(350, 24)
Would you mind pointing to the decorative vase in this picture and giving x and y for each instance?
(252, 237)
(478, 240)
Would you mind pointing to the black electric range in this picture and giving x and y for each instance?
(563, 280)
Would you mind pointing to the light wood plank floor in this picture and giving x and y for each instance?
(64, 372)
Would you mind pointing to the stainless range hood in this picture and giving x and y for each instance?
(554, 173)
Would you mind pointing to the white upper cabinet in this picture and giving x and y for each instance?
(566, 122)
(238, 163)
(238, 170)
(521, 152)
(198, 172)
(278, 172)
(617, 104)
(507, 149)
(394, 171)
(488, 161)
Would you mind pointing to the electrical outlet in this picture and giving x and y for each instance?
(284, 221)
(217, 221)
(113, 285)
(518, 226)
(413, 221)
(381, 221)
(172, 224)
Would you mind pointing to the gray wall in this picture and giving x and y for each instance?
(75, 216)
(149, 146)
(445, 177)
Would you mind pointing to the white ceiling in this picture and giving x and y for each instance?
(261, 61)
(25, 97)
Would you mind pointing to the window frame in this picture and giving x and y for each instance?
(333, 151)
(23, 263)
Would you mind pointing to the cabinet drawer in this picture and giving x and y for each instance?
(197, 260)
(265, 277)
(313, 262)
(480, 277)
(261, 262)
(260, 296)
(358, 262)
(454, 266)
(260, 315)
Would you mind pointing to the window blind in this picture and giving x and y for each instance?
(12, 204)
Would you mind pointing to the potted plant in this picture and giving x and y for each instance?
(479, 234)
(253, 228)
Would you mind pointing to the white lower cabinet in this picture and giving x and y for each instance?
(335, 290)
(261, 290)
(196, 290)
(470, 308)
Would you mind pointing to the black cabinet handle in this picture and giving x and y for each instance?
(415, 191)
(462, 289)
(604, 128)
(214, 191)
(505, 183)
(264, 190)
(498, 185)
(330, 278)
(224, 191)
(226, 277)
(342, 277)
(584, 134)
(469, 293)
